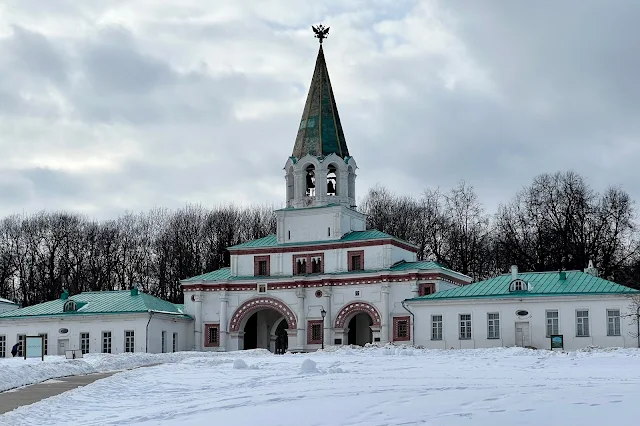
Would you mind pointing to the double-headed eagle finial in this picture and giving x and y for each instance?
(320, 31)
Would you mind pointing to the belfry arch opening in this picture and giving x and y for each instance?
(332, 180)
(310, 180)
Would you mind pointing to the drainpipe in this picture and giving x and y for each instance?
(146, 348)
(413, 323)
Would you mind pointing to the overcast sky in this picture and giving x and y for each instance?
(114, 105)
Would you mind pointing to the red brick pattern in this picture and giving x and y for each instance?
(211, 335)
(426, 288)
(256, 262)
(314, 326)
(401, 329)
(353, 308)
(331, 281)
(351, 254)
(258, 304)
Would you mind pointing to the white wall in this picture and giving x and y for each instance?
(566, 306)
(94, 325)
(183, 327)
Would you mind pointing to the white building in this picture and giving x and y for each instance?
(101, 321)
(321, 260)
(526, 309)
(7, 305)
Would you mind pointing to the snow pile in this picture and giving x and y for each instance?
(308, 367)
(239, 364)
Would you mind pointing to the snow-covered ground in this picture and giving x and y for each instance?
(365, 387)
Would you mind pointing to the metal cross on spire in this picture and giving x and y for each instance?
(321, 32)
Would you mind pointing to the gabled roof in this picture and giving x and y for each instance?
(540, 283)
(320, 131)
(224, 274)
(100, 303)
(272, 241)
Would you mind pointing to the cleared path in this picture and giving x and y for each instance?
(10, 400)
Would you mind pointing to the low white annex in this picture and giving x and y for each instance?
(574, 309)
(100, 321)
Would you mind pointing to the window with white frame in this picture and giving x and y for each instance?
(106, 342)
(84, 343)
(613, 322)
(164, 341)
(465, 326)
(553, 325)
(582, 323)
(493, 325)
(21, 340)
(129, 341)
(436, 327)
(3, 346)
(175, 342)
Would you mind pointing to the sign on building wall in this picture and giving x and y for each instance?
(34, 347)
(557, 341)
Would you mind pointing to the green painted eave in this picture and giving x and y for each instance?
(100, 303)
(543, 284)
(271, 241)
(224, 274)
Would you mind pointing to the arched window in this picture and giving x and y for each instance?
(518, 285)
(332, 181)
(311, 181)
(69, 306)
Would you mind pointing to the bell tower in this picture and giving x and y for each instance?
(320, 171)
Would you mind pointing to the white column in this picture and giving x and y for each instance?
(224, 322)
(302, 319)
(197, 326)
(326, 293)
(384, 321)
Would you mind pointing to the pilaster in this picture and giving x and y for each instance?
(326, 297)
(197, 327)
(302, 320)
(224, 322)
(385, 289)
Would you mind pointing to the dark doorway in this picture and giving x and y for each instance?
(360, 330)
(251, 332)
(282, 338)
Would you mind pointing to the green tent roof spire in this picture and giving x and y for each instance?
(320, 131)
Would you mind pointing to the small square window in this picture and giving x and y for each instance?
(262, 288)
(356, 293)
(314, 333)
(355, 260)
(261, 266)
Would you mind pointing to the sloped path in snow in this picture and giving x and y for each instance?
(360, 387)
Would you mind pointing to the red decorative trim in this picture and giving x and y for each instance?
(331, 246)
(426, 288)
(352, 254)
(355, 308)
(256, 263)
(307, 258)
(310, 325)
(207, 341)
(258, 304)
(397, 323)
(302, 281)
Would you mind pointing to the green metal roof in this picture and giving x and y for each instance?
(542, 284)
(272, 241)
(320, 131)
(224, 274)
(99, 303)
